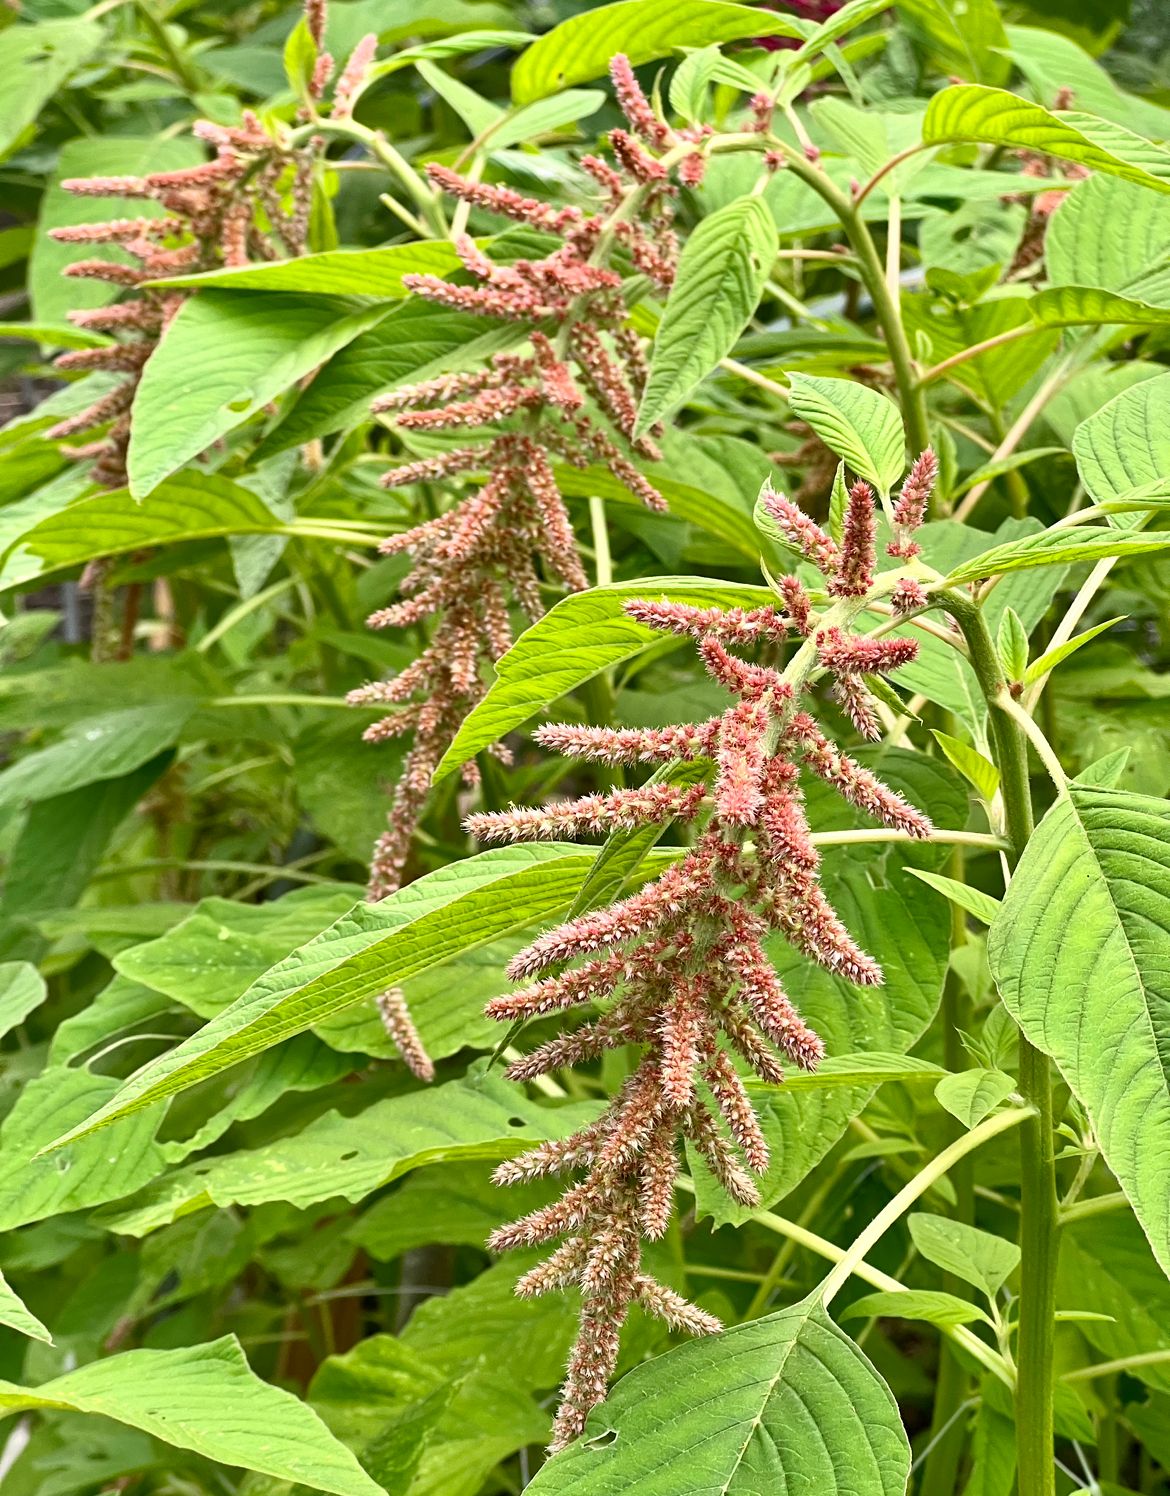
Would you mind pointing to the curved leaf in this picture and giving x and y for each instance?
(1081, 953)
(337, 272)
(17, 1316)
(374, 946)
(721, 275)
(206, 1398)
(784, 1403)
(1103, 234)
(580, 48)
(995, 117)
(856, 423)
(1089, 306)
(1125, 446)
(223, 359)
(578, 639)
(1056, 548)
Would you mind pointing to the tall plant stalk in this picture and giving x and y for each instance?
(1039, 1208)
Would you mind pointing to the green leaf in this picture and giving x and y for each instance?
(970, 42)
(580, 48)
(1124, 447)
(973, 766)
(742, 1409)
(375, 946)
(1106, 1261)
(1053, 657)
(1080, 306)
(98, 748)
(994, 117)
(22, 989)
(971, 1095)
(223, 359)
(1105, 772)
(857, 424)
(721, 275)
(1081, 954)
(35, 61)
(1056, 548)
(52, 294)
(983, 1260)
(348, 1157)
(1051, 61)
(993, 1448)
(578, 639)
(337, 272)
(973, 900)
(475, 112)
(1103, 234)
(416, 340)
(931, 1305)
(1012, 645)
(208, 1399)
(189, 506)
(17, 1316)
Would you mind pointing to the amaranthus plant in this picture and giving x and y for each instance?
(586, 902)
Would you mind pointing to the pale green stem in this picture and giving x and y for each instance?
(902, 1201)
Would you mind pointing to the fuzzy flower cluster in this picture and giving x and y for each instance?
(571, 397)
(680, 968)
(212, 215)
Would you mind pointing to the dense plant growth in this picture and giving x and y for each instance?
(587, 891)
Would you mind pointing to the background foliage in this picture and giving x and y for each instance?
(267, 1272)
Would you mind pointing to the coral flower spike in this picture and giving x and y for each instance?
(679, 967)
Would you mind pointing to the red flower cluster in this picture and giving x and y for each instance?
(209, 219)
(681, 964)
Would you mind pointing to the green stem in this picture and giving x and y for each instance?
(1039, 1207)
(911, 395)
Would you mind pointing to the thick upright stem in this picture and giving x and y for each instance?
(1039, 1207)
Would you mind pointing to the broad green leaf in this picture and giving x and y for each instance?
(1103, 234)
(34, 63)
(993, 1448)
(52, 294)
(454, 909)
(578, 639)
(1105, 772)
(973, 900)
(1106, 1263)
(1081, 952)
(208, 1399)
(87, 1173)
(931, 1305)
(1125, 446)
(189, 506)
(17, 1316)
(971, 1095)
(580, 48)
(104, 747)
(999, 372)
(819, 37)
(857, 424)
(721, 275)
(1056, 548)
(870, 137)
(1088, 306)
(969, 41)
(416, 340)
(698, 69)
(1051, 61)
(223, 359)
(1053, 657)
(337, 272)
(22, 989)
(979, 1258)
(994, 117)
(971, 764)
(348, 1157)
(784, 1403)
